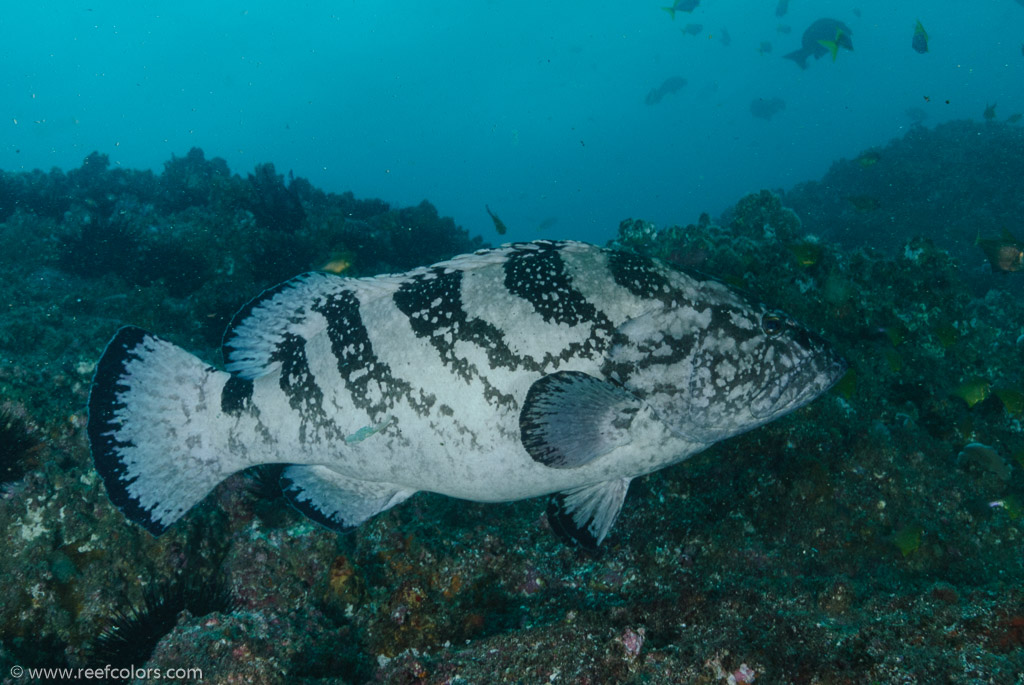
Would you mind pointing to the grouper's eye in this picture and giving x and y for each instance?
(772, 323)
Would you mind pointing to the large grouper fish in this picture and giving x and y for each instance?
(540, 368)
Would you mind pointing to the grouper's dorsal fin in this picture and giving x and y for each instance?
(259, 327)
(336, 501)
(584, 516)
(302, 307)
(570, 418)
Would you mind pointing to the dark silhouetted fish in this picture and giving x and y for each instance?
(667, 87)
(782, 8)
(499, 225)
(920, 40)
(692, 29)
(547, 223)
(766, 108)
(724, 38)
(916, 115)
(681, 6)
(990, 112)
(821, 38)
(833, 45)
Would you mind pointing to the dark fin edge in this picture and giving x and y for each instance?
(566, 529)
(291, 492)
(246, 311)
(103, 405)
(604, 498)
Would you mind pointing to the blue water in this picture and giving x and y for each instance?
(536, 109)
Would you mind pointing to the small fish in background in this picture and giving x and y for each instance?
(822, 37)
(669, 86)
(920, 40)
(917, 115)
(766, 108)
(765, 48)
(782, 8)
(807, 253)
(499, 225)
(724, 38)
(990, 112)
(863, 203)
(869, 159)
(339, 263)
(1014, 118)
(784, 29)
(547, 223)
(1004, 253)
(987, 458)
(692, 29)
(681, 6)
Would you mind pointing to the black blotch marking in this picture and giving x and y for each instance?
(359, 365)
(236, 397)
(641, 276)
(433, 304)
(300, 386)
(539, 277)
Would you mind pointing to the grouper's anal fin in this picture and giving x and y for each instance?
(335, 501)
(583, 516)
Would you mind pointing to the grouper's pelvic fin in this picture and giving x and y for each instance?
(152, 410)
(570, 419)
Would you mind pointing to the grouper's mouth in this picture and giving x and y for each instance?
(815, 375)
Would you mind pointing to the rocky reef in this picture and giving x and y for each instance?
(873, 536)
(948, 184)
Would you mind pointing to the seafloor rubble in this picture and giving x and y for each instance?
(873, 536)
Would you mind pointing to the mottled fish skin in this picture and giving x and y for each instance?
(390, 385)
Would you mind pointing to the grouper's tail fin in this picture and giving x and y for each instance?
(154, 411)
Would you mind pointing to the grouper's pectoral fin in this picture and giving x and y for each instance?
(336, 501)
(570, 418)
(584, 516)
